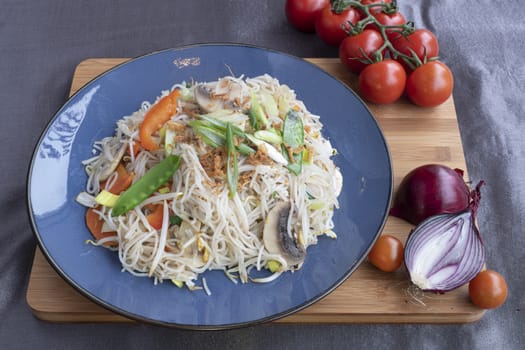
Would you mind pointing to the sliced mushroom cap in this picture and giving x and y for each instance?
(277, 239)
(218, 95)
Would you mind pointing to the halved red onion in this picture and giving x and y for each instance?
(445, 251)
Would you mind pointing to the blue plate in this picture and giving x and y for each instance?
(56, 176)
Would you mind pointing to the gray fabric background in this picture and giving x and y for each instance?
(42, 41)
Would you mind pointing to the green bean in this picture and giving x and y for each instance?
(146, 185)
(293, 137)
(293, 130)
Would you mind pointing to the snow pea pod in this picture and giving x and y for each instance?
(146, 185)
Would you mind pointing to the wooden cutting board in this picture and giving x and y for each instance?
(415, 136)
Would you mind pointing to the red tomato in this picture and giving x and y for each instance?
(430, 84)
(423, 42)
(302, 13)
(387, 253)
(352, 48)
(328, 24)
(488, 289)
(395, 19)
(382, 82)
(375, 9)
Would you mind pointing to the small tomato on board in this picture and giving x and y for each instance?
(382, 82)
(387, 253)
(355, 48)
(329, 24)
(488, 289)
(430, 84)
(302, 13)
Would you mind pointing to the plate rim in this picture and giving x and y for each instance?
(237, 325)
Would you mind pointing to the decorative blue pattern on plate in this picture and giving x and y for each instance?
(56, 176)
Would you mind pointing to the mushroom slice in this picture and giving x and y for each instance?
(204, 97)
(218, 95)
(277, 239)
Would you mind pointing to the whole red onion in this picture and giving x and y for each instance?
(430, 190)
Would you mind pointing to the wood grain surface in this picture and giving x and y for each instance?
(415, 136)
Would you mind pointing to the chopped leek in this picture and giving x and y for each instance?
(245, 150)
(256, 113)
(211, 136)
(316, 205)
(269, 105)
(270, 150)
(308, 156)
(232, 168)
(106, 198)
(284, 106)
(178, 283)
(273, 265)
(169, 141)
(268, 136)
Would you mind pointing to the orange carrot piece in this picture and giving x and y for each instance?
(94, 224)
(156, 216)
(123, 181)
(156, 116)
(136, 149)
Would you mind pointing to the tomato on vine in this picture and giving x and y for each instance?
(422, 42)
(356, 51)
(430, 84)
(330, 23)
(375, 9)
(302, 13)
(384, 19)
(382, 82)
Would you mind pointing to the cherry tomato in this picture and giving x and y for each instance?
(423, 42)
(302, 13)
(328, 24)
(382, 82)
(430, 84)
(352, 48)
(375, 9)
(488, 289)
(387, 253)
(395, 19)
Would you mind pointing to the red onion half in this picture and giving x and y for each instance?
(430, 190)
(446, 251)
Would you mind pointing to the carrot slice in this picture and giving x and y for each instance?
(94, 224)
(156, 116)
(136, 149)
(156, 216)
(123, 181)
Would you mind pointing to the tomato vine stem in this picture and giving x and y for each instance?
(404, 30)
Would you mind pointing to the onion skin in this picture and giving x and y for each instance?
(430, 190)
(445, 251)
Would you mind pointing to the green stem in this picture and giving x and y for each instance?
(405, 29)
